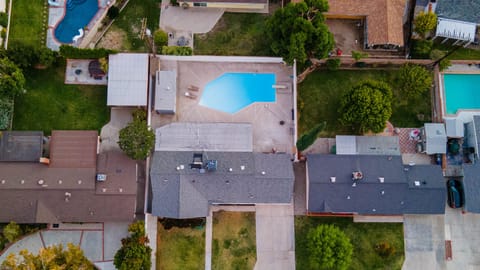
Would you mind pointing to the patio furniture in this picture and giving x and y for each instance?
(193, 88)
(78, 71)
(190, 95)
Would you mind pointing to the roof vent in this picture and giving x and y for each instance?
(104, 190)
(242, 167)
(417, 183)
(60, 182)
(251, 196)
(381, 179)
(120, 190)
(358, 175)
(211, 165)
(263, 173)
(41, 182)
(22, 181)
(374, 210)
(354, 184)
(101, 177)
(383, 192)
(182, 166)
(227, 182)
(405, 168)
(333, 179)
(230, 169)
(411, 163)
(79, 182)
(348, 197)
(3, 181)
(178, 168)
(165, 180)
(68, 195)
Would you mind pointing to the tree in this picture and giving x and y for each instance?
(160, 38)
(333, 63)
(310, 136)
(113, 12)
(424, 23)
(53, 257)
(137, 139)
(135, 252)
(12, 231)
(414, 80)
(366, 106)
(329, 248)
(298, 31)
(26, 56)
(12, 81)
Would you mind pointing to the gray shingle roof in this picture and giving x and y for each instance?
(24, 146)
(471, 187)
(186, 193)
(370, 196)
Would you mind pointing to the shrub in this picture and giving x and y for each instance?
(6, 113)
(113, 12)
(12, 231)
(438, 54)
(421, 48)
(384, 249)
(3, 19)
(176, 50)
(358, 55)
(333, 63)
(77, 53)
(414, 80)
(160, 38)
(4, 33)
(425, 23)
(310, 136)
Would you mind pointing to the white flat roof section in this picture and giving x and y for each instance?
(436, 138)
(219, 137)
(166, 92)
(127, 79)
(346, 145)
(454, 127)
(456, 29)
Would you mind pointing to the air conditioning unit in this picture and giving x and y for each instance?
(101, 177)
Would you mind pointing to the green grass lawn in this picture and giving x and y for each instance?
(50, 104)
(180, 248)
(319, 99)
(234, 242)
(27, 22)
(234, 34)
(130, 22)
(365, 238)
(459, 54)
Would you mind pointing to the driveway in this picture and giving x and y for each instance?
(424, 242)
(275, 237)
(98, 241)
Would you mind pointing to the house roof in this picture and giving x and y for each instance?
(21, 146)
(465, 10)
(165, 91)
(231, 137)
(187, 193)
(371, 196)
(384, 18)
(367, 145)
(454, 29)
(127, 79)
(73, 149)
(121, 172)
(454, 127)
(471, 187)
(436, 138)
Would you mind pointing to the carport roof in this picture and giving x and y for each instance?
(187, 193)
(471, 187)
(384, 18)
(453, 29)
(367, 145)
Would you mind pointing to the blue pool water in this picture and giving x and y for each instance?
(462, 91)
(232, 92)
(78, 14)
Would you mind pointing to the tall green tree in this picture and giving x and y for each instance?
(298, 31)
(366, 106)
(53, 257)
(135, 252)
(424, 23)
(12, 81)
(414, 80)
(329, 248)
(137, 139)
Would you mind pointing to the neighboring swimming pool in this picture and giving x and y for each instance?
(232, 92)
(78, 14)
(462, 91)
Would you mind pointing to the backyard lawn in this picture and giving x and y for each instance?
(50, 104)
(319, 99)
(234, 34)
(459, 54)
(366, 239)
(27, 22)
(180, 248)
(127, 27)
(233, 245)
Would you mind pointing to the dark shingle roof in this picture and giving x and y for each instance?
(370, 196)
(185, 193)
(24, 146)
(471, 187)
(463, 10)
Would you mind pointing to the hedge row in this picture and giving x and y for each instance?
(77, 53)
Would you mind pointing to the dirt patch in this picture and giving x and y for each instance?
(114, 39)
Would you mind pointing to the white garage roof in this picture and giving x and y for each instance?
(127, 79)
(456, 29)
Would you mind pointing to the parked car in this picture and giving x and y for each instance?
(455, 193)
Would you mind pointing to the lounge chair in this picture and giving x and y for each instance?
(190, 95)
(193, 88)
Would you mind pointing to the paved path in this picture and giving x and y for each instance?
(99, 243)
(208, 241)
(119, 118)
(275, 237)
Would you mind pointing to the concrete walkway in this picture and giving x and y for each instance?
(275, 237)
(98, 241)
(208, 241)
(119, 118)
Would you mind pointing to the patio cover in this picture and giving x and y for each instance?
(127, 79)
(166, 92)
(455, 128)
(456, 29)
(436, 138)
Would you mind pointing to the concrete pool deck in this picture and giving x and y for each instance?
(268, 130)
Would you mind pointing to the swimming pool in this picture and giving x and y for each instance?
(78, 13)
(232, 92)
(462, 91)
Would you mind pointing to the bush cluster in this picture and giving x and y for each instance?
(176, 50)
(77, 53)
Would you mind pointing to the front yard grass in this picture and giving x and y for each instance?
(180, 248)
(320, 93)
(50, 104)
(234, 242)
(234, 34)
(27, 22)
(129, 22)
(365, 238)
